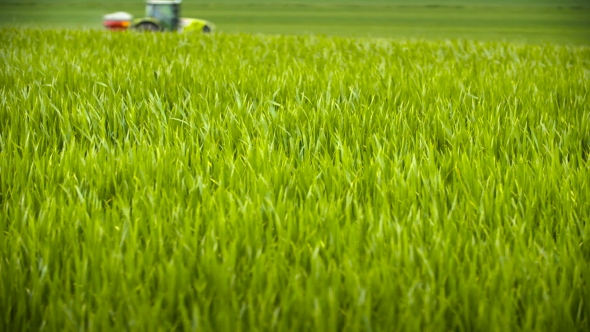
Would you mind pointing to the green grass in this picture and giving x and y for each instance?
(564, 22)
(242, 182)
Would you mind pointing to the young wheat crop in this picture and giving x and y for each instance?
(241, 182)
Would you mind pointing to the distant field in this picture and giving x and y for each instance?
(534, 3)
(565, 22)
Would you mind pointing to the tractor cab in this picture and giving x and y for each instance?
(161, 15)
(166, 13)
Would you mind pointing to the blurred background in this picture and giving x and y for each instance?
(530, 21)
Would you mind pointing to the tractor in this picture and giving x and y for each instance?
(161, 15)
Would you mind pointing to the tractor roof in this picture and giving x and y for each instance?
(163, 2)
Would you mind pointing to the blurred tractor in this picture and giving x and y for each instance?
(161, 15)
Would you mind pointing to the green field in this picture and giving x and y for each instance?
(250, 182)
(564, 22)
(333, 165)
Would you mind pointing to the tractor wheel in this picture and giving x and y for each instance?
(147, 27)
(206, 29)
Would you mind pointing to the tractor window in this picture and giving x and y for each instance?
(162, 13)
(149, 11)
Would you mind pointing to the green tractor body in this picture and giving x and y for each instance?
(161, 15)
